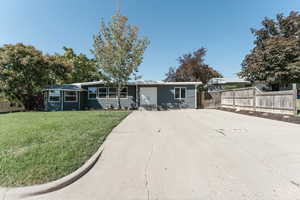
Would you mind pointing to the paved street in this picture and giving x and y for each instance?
(193, 155)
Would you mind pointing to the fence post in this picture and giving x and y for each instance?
(202, 99)
(295, 94)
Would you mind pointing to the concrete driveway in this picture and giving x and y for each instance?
(193, 155)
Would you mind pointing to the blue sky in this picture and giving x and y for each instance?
(173, 27)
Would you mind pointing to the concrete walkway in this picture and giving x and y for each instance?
(193, 155)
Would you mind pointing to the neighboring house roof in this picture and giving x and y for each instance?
(65, 87)
(221, 81)
(141, 83)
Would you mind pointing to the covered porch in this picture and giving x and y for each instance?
(63, 97)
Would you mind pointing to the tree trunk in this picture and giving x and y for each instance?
(118, 95)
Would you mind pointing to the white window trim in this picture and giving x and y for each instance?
(180, 88)
(55, 96)
(107, 93)
(126, 93)
(106, 96)
(76, 95)
(92, 93)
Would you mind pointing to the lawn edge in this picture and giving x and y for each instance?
(22, 192)
(261, 116)
(27, 191)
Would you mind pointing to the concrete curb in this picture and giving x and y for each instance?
(22, 192)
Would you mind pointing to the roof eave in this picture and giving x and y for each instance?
(79, 90)
(144, 83)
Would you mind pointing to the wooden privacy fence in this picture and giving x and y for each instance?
(284, 102)
(209, 99)
(9, 107)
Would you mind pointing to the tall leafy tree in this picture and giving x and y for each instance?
(275, 58)
(170, 76)
(192, 68)
(82, 69)
(118, 51)
(24, 71)
(2, 97)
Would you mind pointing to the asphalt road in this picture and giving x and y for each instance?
(193, 155)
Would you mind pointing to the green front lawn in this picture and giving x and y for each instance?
(38, 147)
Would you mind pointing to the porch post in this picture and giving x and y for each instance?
(45, 100)
(62, 100)
(78, 95)
(196, 96)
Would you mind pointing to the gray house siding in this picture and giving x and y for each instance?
(98, 103)
(83, 101)
(166, 99)
(71, 106)
(53, 106)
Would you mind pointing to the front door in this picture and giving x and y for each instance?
(148, 97)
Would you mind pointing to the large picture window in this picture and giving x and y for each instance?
(54, 95)
(124, 93)
(112, 93)
(70, 96)
(92, 93)
(102, 92)
(107, 93)
(180, 93)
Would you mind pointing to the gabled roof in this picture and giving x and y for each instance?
(220, 81)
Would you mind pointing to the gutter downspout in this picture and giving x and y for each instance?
(196, 98)
(136, 96)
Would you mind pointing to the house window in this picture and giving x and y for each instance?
(92, 93)
(112, 93)
(180, 93)
(70, 96)
(102, 92)
(54, 95)
(124, 93)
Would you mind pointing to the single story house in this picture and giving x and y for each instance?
(217, 84)
(140, 94)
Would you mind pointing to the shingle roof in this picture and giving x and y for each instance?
(215, 81)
